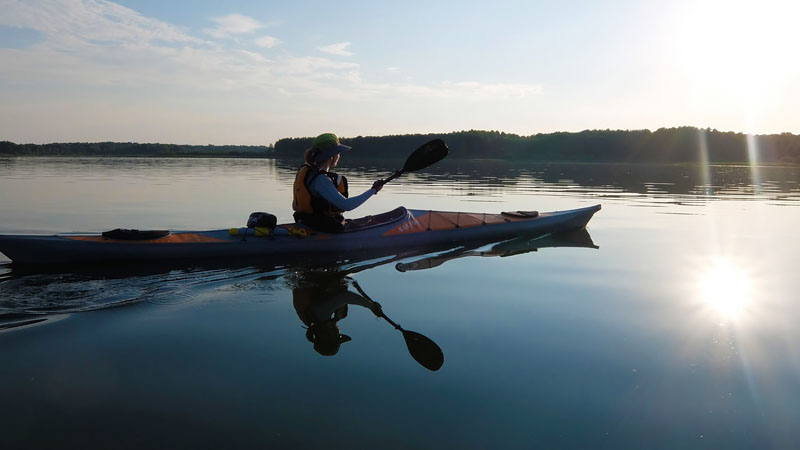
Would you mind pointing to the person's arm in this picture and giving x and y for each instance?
(323, 187)
(327, 307)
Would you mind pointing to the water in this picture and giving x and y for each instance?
(677, 331)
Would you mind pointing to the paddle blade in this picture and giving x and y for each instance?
(424, 350)
(429, 154)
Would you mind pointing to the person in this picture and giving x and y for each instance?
(320, 196)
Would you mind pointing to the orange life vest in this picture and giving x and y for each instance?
(302, 199)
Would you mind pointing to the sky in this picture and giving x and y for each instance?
(243, 72)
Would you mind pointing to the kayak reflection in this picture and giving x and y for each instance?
(322, 292)
(322, 299)
(517, 246)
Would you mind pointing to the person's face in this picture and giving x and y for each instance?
(336, 160)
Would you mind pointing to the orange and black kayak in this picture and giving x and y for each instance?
(401, 230)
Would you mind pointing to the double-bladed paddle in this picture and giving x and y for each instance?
(422, 349)
(430, 153)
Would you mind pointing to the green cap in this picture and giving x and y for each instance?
(329, 145)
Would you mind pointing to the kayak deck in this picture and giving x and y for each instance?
(411, 229)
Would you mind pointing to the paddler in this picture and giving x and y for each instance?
(321, 196)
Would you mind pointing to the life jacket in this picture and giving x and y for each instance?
(304, 202)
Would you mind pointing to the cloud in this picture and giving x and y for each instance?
(465, 90)
(267, 41)
(233, 24)
(314, 65)
(493, 90)
(338, 49)
(88, 43)
(99, 22)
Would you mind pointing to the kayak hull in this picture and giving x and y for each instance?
(415, 230)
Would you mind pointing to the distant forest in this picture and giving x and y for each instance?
(665, 145)
(133, 149)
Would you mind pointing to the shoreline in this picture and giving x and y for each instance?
(740, 164)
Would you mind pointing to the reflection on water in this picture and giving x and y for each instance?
(80, 289)
(678, 332)
(322, 299)
(518, 246)
(131, 192)
(651, 184)
(33, 291)
(726, 288)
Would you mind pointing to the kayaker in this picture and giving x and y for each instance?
(321, 196)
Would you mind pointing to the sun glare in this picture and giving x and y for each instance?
(735, 53)
(726, 289)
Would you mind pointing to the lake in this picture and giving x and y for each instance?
(670, 325)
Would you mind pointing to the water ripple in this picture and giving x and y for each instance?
(89, 289)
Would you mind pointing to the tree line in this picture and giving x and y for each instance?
(665, 145)
(132, 149)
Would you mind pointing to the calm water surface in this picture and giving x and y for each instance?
(671, 325)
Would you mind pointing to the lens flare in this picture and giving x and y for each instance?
(753, 156)
(705, 170)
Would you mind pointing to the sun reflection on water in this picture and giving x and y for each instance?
(726, 289)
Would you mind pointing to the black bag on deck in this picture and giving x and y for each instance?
(124, 234)
(262, 220)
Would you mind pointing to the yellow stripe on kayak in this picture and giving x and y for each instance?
(170, 239)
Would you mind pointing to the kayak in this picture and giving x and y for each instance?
(397, 230)
(401, 229)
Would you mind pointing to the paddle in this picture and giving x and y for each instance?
(430, 153)
(422, 349)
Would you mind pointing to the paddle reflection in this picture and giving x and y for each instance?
(322, 297)
(517, 246)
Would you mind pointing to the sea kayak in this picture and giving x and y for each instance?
(401, 230)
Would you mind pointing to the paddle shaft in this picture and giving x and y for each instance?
(422, 349)
(396, 326)
(430, 153)
(381, 314)
(393, 176)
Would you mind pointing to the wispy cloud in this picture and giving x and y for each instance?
(233, 24)
(267, 41)
(338, 49)
(96, 22)
(465, 90)
(312, 65)
(97, 42)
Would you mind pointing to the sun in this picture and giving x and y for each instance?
(734, 52)
(726, 289)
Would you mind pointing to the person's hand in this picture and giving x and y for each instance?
(378, 185)
(376, 309)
